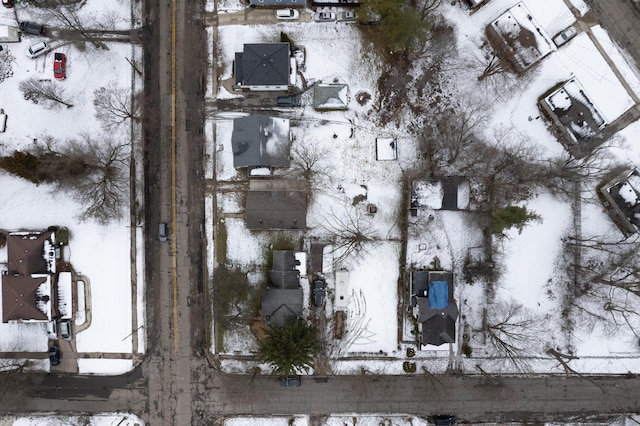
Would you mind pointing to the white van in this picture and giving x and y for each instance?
(287, 14)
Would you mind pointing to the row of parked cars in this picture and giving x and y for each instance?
(52, 332)
(293, 14)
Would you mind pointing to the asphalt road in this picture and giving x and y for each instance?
(175, 385)
(621, 18)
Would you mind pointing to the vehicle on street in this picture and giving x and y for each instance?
(290, 382)
(31, 28)
(444, 420)
(348, 16)
(59, 66)
(54, 355)
(37, 49)
(65, 329)
(291, 100)
(324, 16)
(318, 293)
(162, 232)
(287, 14)
(564, 36)
(7, 3)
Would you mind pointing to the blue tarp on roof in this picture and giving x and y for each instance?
(438, 295)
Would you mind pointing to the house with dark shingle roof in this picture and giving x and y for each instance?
(263, 67)
(279, 209)
(260, 141)
(434, 306)
(621, 197)
(28, 293)
(282, 302)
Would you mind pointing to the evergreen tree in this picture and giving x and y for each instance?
(511, 216)
(290, 349)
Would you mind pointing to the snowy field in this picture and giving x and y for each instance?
(532, 264)
(99, 252)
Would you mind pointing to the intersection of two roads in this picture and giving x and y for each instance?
(177, 384)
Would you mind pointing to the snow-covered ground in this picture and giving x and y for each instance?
(99, 252)
(532, 272)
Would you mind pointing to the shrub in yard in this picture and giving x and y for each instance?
(409, 367)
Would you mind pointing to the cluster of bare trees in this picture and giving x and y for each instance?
(610, 271)
(94, 170)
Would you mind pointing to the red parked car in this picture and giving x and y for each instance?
(7, 3)
(60, 66)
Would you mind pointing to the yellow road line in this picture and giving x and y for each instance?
(174, 214)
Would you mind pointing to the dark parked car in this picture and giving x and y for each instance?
(318, 293)
(444, 420)
(292, 101)
(290, 382)
(7, 3)
(54, 355)
(31, 28)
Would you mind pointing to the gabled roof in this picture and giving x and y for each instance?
(330, 96)
(26, 298)
(284, 273)
(279, 306)
(286, 209)
(263, 64)
(440, 327)
(432, 295)
(260, 141)
(445, 193)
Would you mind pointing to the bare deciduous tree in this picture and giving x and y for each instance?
(350, 231)
(67, 16)
(94, 170)
(46, 92)
(309, 161)
(513, 332)
(115, 105)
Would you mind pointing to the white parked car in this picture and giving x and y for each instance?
(325, 16)
(287, 14)
(347, 16)
(564, 36)
(37, 49)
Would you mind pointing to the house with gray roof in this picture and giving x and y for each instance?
(282, 301)
(434, 306)
(332, 96)
(277, 209)
(260, 141)
(264, 67)
(621, 197)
